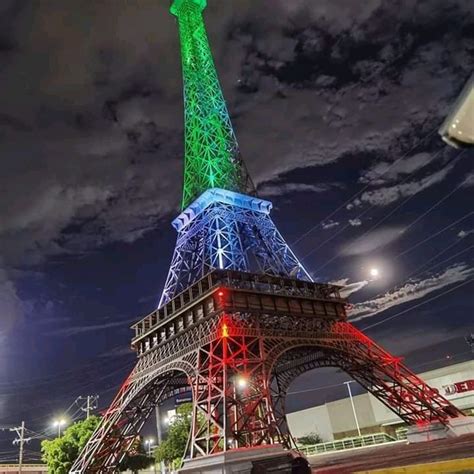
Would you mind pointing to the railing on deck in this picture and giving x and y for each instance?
(401, 433)
(347, 443)
(268, 284)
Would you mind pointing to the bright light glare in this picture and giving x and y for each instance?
(242, 382)
(59, 422)
(149, 441)
(374, 272)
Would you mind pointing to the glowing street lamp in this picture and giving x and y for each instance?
(58, 424)
(149, 443)
(242, 382)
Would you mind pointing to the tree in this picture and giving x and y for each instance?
(60, 453)
(172, 449)
(135, 463)
(309, 439)
(136, 458)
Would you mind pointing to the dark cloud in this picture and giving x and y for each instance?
(104, 107)
(413, 290)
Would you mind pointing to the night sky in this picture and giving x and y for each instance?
(336, 105)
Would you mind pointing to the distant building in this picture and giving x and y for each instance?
(335, 420)
(26, 468)
(458, 128)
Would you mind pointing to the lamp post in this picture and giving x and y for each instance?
(353, 406)
(150, 443)
(60, 422)
(242, 382)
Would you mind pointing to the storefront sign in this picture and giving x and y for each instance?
(459, 387)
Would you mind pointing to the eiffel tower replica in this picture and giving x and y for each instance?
(239, 318)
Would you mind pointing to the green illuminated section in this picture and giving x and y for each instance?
(212, 157)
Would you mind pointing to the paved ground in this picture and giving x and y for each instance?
(394, 454)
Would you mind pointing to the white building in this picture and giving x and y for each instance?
(335, 420)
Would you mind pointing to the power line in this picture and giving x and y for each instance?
(378, 176)
(64, 375)
(429, 300)
(432, 236)
(75, 390)
(419, 271)
(399, 206)
(89, 404)
(384, 218)
(325, 387)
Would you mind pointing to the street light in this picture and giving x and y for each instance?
(353, 406)
(242, 382)
(59, 423)
(149, 444)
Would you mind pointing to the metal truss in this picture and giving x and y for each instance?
(212, 157)
(239, 357)
(227, 230)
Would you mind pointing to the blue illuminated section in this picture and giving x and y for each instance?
(216, 195)
(230, 231)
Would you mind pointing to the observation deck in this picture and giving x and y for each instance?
(227, 291)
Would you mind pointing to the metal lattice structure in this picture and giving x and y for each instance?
(239, 317)
(263, 329)
(227, 230)
(212, 157)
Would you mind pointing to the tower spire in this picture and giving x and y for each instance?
(212, 156)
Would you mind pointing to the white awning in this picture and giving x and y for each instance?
(458, 129)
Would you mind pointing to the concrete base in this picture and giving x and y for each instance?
(461, 426)
(242, 461)
(456, 427)
(429, 432)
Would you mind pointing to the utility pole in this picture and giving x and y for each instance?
(89, 404)
(21, 440)
(353, 406)
(159, 433)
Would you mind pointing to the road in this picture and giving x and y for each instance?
(394, 454)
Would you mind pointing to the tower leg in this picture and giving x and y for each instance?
(232, 398)
(240, 350)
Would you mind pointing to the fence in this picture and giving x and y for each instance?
(347, 443)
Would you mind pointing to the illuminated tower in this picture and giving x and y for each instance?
(212, 156)
(223, 224)
(239, 318)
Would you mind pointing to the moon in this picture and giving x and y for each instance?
(374, 272)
